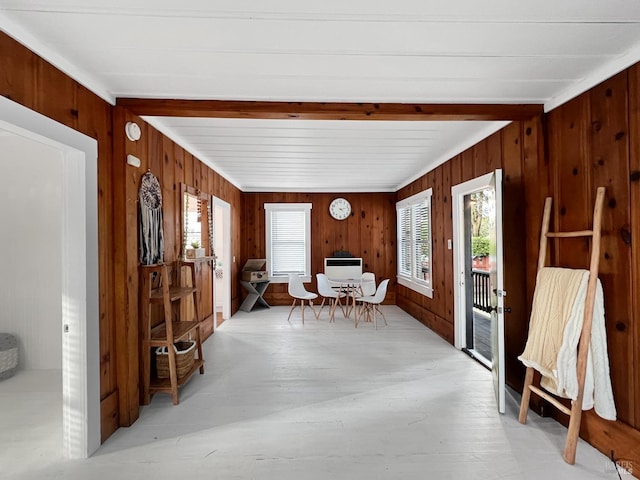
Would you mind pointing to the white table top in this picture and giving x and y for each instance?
(345, 281)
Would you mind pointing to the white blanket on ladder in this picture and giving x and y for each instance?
(558, 306)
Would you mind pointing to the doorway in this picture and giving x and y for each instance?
(77, 325)
(222, 246)
(478, 282)
(478, 222)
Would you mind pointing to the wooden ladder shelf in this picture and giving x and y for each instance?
(575, 412)
(157, 288)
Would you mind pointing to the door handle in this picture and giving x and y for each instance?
(495, 309)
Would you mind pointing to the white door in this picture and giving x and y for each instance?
(222, 242)
(491, 185)
(497, 293)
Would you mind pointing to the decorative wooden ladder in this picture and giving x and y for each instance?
(575, 413)
(157, 288)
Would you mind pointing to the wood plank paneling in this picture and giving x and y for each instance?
(63, 105)
(94, 117)
(27, 79)
(173, 166)
(467, 165)
(515, 268)
(578, 134)
(500, 150)
(612, 437)
(438, 244)
(30, 81)
(609, 167)
(589, 142)
(364, 233)
(171, 201)
(568, 149)
(634, 208)
(535, 170)
(447, 222)
(125, 199)
(109, 415)
(19, 80)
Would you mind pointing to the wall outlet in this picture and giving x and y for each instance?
(449, 243)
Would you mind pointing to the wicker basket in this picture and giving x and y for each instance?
(8, 355)
(184, 358)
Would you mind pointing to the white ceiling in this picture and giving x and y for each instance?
(406, 51)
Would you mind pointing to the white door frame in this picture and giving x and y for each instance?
(225, 256)
(80, 340)
(490, 180)
(458, 192)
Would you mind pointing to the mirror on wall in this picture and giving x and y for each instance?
(197, 223)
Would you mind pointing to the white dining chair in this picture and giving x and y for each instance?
(299, 293)
(368, 284)
(327, 292)
(372, 303)
(366, 288)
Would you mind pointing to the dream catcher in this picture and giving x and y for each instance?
(150, 236)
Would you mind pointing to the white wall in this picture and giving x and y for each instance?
(30, 242)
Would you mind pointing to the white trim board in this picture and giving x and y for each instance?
(594, 78)
(24, 37)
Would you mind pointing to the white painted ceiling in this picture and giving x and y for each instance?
(405, 51)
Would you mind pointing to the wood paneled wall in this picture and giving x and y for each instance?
(515, 149)
(27, 79)
(172, 165)
(369, 233)
(592, 141)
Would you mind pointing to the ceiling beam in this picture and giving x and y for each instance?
(328, 110)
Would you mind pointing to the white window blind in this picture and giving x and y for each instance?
(414, 242)
(288, 230)
(404, 223)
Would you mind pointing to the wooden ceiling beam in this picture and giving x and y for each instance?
(328, 110)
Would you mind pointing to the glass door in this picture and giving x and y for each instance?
(479, 291)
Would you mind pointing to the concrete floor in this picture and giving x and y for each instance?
(319, 401)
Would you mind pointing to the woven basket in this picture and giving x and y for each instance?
(8, 355)
(184, 358)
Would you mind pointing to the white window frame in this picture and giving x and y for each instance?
(412, 282)
(291, 207)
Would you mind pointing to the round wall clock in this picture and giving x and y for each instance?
(340, 208)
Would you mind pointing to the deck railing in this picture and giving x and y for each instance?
(481, 290)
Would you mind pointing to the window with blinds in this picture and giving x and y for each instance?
(288, 240)
(414, 242)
